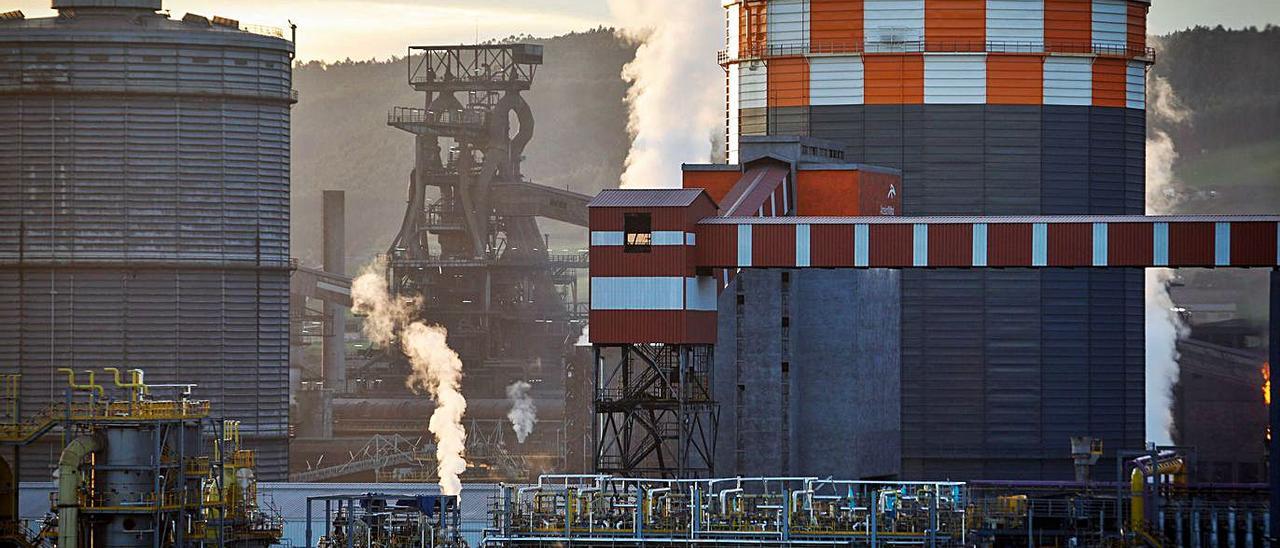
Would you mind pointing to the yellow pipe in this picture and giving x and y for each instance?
(134, 387)
(71, 381)
(102, 391)
(1137, 506)
(138, 380)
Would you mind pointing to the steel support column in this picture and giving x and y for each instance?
(654, 411)
(1273, 355)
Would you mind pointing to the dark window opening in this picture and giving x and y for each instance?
(786, 321)
(638, 232)
(786, 367)
(742, 299)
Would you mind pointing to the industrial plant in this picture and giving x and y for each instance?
(907, 307)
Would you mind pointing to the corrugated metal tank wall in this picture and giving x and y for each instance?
(999, 368)
(144, 211)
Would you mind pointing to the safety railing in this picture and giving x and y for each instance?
(792, 48)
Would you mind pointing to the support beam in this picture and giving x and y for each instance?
(1273, 354)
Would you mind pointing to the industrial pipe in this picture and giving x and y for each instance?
(1167, 463)
(134, 386)
(68, 482)
(71, 381)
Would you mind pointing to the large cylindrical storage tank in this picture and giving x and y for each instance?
(989, 107)
(144, 209)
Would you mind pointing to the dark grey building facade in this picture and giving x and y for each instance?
(144, 210)
(1000, 368)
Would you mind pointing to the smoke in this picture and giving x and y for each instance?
(436, 368)
(523, 412)
(1163, 325)
(585, 338)
(675, 97)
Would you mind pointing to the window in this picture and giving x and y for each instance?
(638, 232)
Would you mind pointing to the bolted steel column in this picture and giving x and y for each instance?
(1273, 355)
(334, 353)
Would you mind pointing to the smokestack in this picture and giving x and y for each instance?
(334, 353)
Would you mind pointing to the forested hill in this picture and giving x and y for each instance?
(341, 140)
(1229, 145)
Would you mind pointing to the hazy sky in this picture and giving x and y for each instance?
(337, 29)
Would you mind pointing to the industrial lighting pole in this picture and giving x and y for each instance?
(1273, 355)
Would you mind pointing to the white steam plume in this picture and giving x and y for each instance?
(436, 367)
(1163, 325)
(523, 412)
(675, 98)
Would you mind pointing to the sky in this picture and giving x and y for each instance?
(333, 30)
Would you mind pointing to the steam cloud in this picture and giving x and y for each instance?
(675, 95)
(436, 367)
(523, 412)
(1163, 326)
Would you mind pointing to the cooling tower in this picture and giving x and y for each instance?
(989, 107)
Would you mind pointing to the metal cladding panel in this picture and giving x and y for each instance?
(1110, 23)
(893, 79)
(842, 124)
(1136, 85)
(788, 22)
(950, 245)
(893, 25)
(1137, 26)
(891, 246)
(1012, 387)
(753, 82)
(835, 81)
(1068, 81)
(652, 326)
(955, 25)
(955, 79)
(879, 194)
(753, 121)
(1019, 22)
(1012, 160)
(1015, 79)
(1070, 244)
(1107, 161)
(788, 82)
(638, 293)
(1135, 172)
(717, 244)
(1068, 24)
(952, 164)
(788, 121)
(1065, 160)
(1191, 244)
(1253, 243)
(1110, 82)
(773, 246)
(661, 218)
(835, 26)
(661, 260)
(827, 193)
(831, 245)
(717, 183)
(1129, 244)
(1009, 245)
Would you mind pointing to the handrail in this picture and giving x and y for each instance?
(791, 48)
